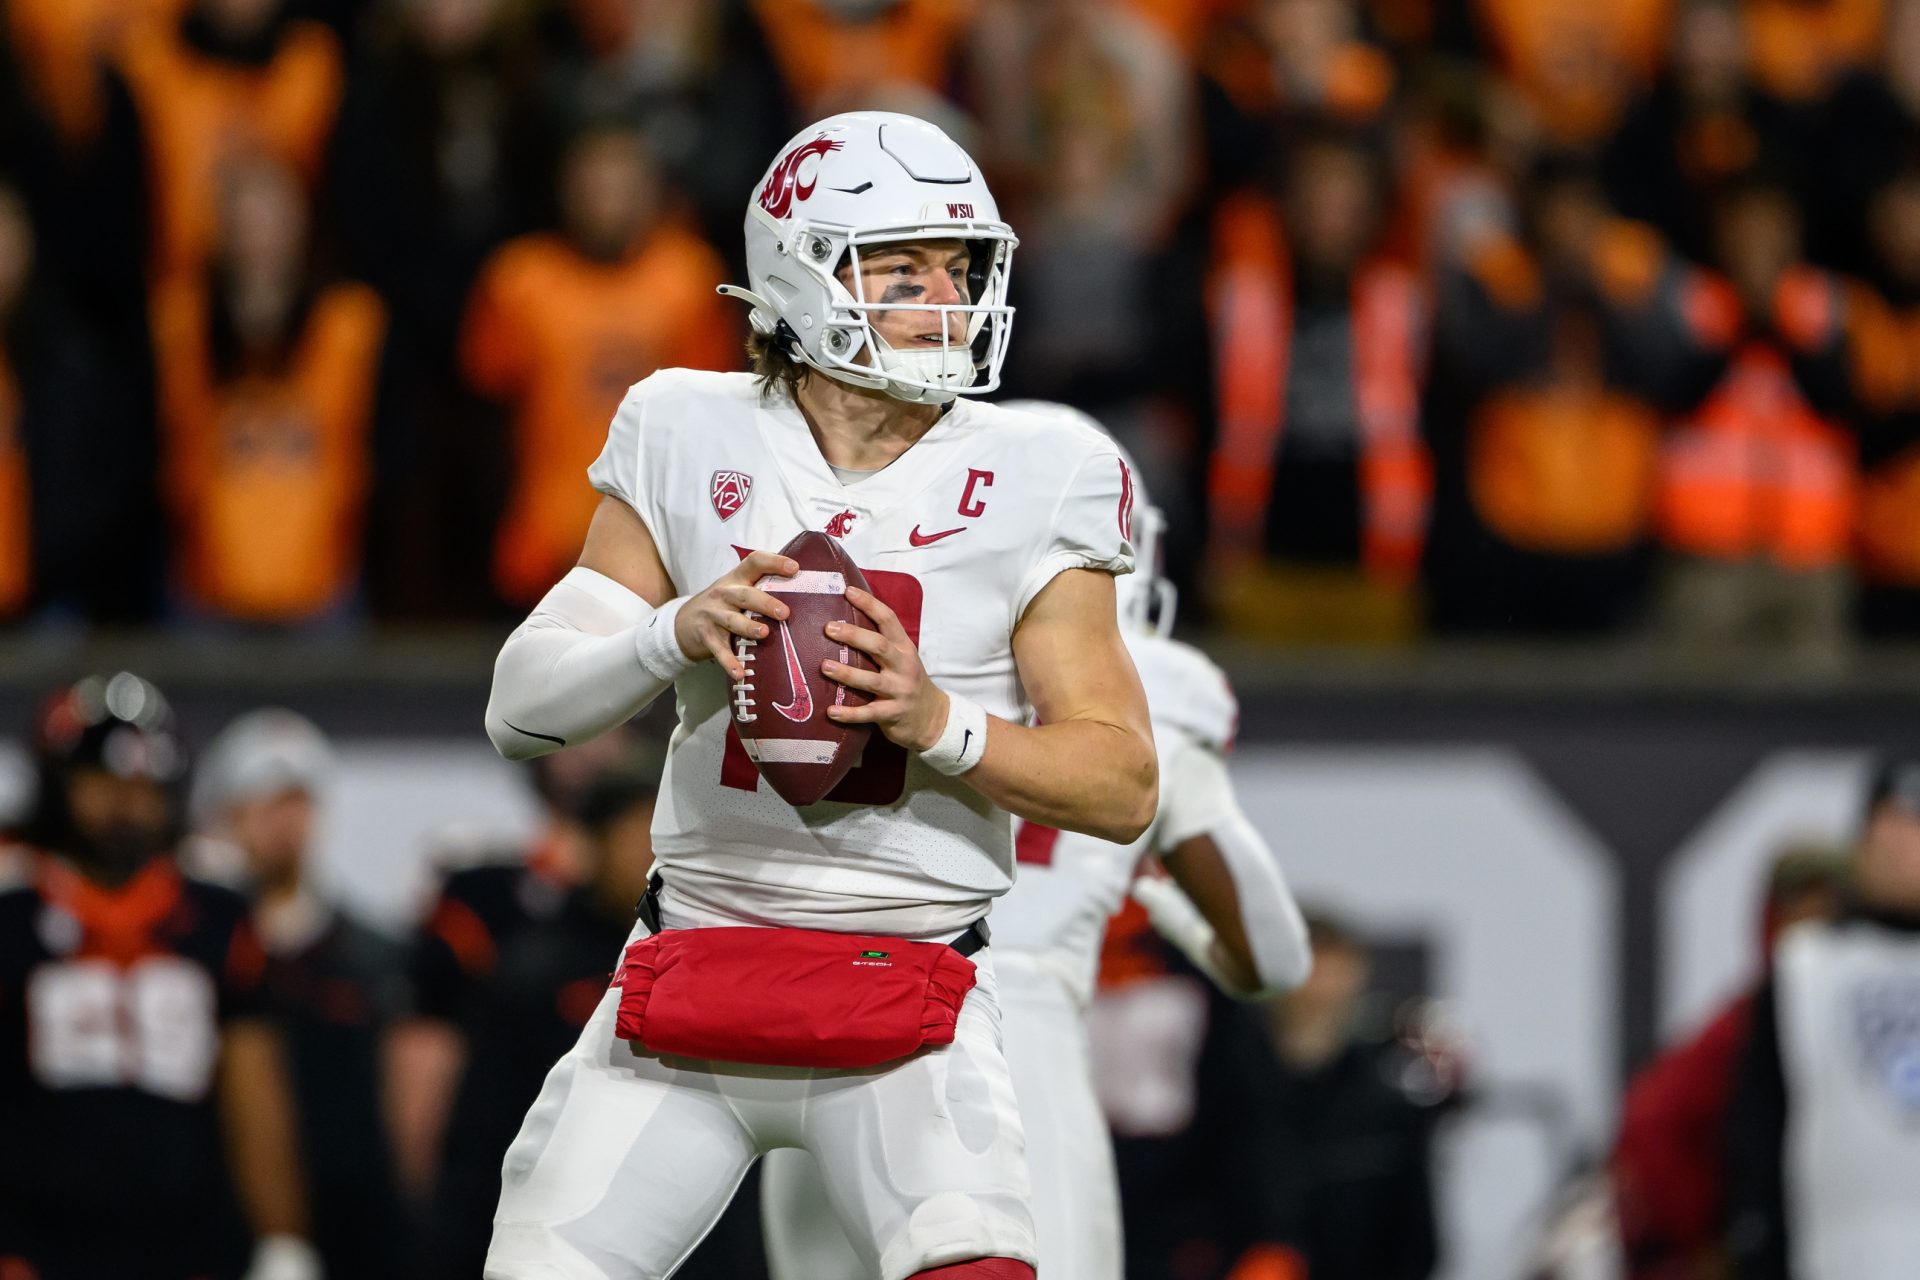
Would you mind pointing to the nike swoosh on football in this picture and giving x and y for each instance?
(801, 708)
(920, 539)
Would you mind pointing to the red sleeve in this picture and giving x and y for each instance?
(1668, 1167)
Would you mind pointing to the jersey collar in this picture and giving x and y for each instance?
(790, 442)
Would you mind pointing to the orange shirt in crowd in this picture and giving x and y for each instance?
(561, 338)
(1755, 471)
(199, 112)
(1564, 464)
(266, 472)
(1565, 470)
(1800, 47)
(1250, 302)
(62, 45)
(825, 57)
(1578, 63)
(14, 544)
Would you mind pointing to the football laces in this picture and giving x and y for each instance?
(745, 650)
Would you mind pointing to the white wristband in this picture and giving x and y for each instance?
(962, 742)
(656, 646)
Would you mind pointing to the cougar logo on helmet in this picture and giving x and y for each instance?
(783, 187)
(894, 180)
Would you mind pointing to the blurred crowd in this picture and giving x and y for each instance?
(1421, 315)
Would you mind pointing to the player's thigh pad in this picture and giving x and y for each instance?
(621, 1166)
(925, 1163)
(1076, 1198)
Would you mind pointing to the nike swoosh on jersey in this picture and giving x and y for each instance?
(801, 708)
(920, 539)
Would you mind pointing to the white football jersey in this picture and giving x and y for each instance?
(957, 536)
(1069, 883)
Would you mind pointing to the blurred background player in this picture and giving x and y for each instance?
(1319, 1121)
(333, 984)
(1226, 906)
(1823, 1130)
(477, 910)
(1668, 1165)
(149, 1127)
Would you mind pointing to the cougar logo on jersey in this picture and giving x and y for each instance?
(729, 494)
(783, 184)
(841, 525)
(1126, 502)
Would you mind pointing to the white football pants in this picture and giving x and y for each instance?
(1076, 1199)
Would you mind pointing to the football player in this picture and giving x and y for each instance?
(1223, 901)
(140, 1084)
(332, 982)
(991, 540)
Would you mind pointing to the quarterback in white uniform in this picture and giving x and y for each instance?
(1226, 905)
(991, 540)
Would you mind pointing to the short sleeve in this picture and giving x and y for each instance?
(1092, 527)
(615, 471)
(1196, 797)
(451, 953)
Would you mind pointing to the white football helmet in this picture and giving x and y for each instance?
(1145, 599)
(851, 182)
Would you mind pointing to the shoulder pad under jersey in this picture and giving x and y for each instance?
(1186, 692)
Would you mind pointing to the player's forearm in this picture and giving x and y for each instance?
(591, 656)
(257, 1110)
(1258, 937)
(1079, 775)
(423, 1060)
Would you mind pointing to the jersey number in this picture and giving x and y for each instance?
(92, 1024)
(881, 775)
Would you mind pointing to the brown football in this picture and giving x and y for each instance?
(780, 705)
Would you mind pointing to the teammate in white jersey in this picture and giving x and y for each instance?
(991, 540)
(1226, 905)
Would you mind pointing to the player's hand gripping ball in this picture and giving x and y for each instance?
(780, 696)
